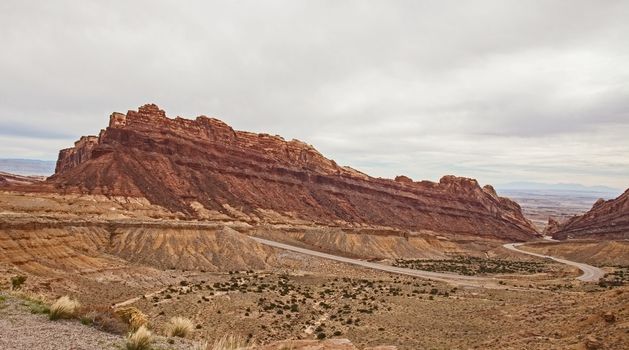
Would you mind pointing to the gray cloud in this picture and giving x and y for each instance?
(498, 90)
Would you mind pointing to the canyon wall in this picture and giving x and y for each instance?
(606, 220)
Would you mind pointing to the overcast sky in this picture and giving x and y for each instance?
(496, 90)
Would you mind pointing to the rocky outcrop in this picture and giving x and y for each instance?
(189, 166)
(607, 219)
(81, 152)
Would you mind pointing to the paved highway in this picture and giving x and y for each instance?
(590, 273)
(437, 276)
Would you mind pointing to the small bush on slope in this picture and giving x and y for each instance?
(64, 307)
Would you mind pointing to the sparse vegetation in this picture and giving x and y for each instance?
(64, 307)
(470, 266)
(35, 303)
(139, 340)
(180, 327)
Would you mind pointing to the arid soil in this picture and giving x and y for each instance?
(107, 251)
(307, 297)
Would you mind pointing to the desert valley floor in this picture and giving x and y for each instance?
(524, 303)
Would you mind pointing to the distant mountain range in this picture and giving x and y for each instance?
(558, 187)
(28, 166)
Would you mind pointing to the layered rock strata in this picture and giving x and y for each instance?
(195, 166)
(607, 219)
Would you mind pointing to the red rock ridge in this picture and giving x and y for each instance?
(607, 219)
(73, 156)
(174, 162)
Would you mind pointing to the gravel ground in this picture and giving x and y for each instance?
(20, 329)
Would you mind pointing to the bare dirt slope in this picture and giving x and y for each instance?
(601, 253)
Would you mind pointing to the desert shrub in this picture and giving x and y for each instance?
(64, 307)
(104, 318)
(139, 340)
(17, 282)
(133, 317)
(232, 342)
(179, 327)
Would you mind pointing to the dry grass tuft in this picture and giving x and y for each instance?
(233, 342)
(133, 317)
(179, 327)
(64, 307)
(139, 340)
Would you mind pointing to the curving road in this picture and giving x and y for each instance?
(436, 276)
(590, 273)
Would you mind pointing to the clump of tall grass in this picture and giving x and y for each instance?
(139, 340)
(179, 327)
(64, 307)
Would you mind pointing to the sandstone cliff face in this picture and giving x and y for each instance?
(607, 219)
(81, 152)
(184, 164)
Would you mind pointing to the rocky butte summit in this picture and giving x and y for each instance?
(201, 166)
